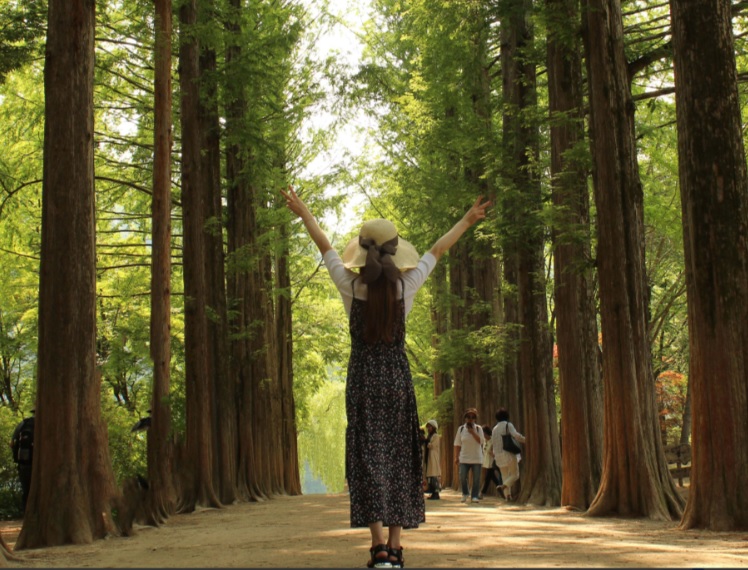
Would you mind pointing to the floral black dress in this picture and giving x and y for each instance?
(383, 454)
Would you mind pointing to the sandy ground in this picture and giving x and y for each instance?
(312, 531)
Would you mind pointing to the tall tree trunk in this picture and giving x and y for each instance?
(72, 483)
(509, 220)
(289, 445)
(460, 280)
(474, 272)
(483, 256)
(161, 498)
(240, 225)
(273, 421)
(442, 380)
(224, 395)
(714, 197)
(576, 325)
(541, 479)
(198, 489)
(685, 429)
(635, 479)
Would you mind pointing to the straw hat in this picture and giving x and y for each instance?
(387, 244)
(433, 423)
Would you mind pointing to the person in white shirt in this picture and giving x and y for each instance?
(468, 451)
(383, 451)
(507, 462)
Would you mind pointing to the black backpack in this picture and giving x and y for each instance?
(24, 448)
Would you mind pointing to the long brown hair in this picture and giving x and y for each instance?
(382, 312)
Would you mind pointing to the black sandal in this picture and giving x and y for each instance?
(398, 554)
(382, 562)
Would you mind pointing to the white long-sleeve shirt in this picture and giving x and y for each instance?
(504, 457)
(412, 279)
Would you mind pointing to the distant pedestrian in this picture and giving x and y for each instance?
(491, 473)
(22, 444)
(468, 450)
(507, 461)
(433, 459)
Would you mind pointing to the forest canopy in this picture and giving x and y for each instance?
(576, 292)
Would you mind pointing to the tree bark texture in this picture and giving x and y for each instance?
(240, 226)
(685, 429)
(224, 394)
(442, 380)
(508, 228)
(576, 326)
(161, 497)
(635, 479)
(465, 389)
(484, 261)
(198, 488)
(72, 484)
(289, 445)
(541, 478)
(270, 384)
(714, 198)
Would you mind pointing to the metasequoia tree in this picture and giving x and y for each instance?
(576, 325)
(240, 233)
(291, 477)
(438, 285)
(714, 198)
(485, 310)
(473, 301)
(197, 487)
(541, 477)
(635, 478)
(223, 421)
(161, 493)
(265, 430)
(72, 484)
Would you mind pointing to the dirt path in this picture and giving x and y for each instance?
(312, 531)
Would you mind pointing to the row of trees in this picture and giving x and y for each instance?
(141, 198)
(531, 104)
(159, 238)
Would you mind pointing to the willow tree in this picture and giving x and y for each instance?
(161, 493)
(576, 326)
(714, 198)
(72, 484)
(635, 478)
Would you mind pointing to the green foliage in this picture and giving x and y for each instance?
(22, 29)
(10, 486)
(322, 435)
(127, 449)
(434, 143)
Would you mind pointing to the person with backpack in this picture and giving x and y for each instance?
(22, 444)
